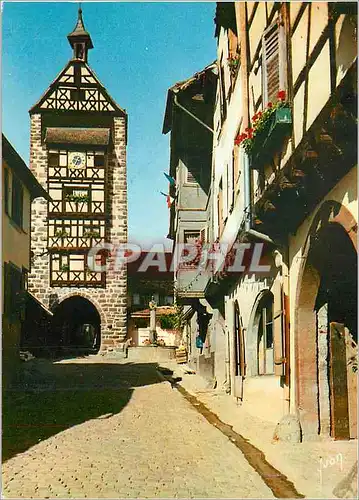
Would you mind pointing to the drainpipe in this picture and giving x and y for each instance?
(248, 205)
(175, 100)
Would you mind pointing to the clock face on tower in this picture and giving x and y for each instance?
(77, 160)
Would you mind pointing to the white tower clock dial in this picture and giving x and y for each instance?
(77, 160)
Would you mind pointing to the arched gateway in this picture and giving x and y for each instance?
(326, 327)
(76, 326)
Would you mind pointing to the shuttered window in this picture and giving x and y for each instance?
(17, 202)
(6, 190)
(273, 63)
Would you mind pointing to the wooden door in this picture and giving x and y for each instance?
(339, 421)
(239, 354)
(352, 382)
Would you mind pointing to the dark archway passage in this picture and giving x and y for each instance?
(327, 334)
(76, 326)
(335, 258)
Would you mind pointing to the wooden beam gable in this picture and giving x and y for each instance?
(78, 89)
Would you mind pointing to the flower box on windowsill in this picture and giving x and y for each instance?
(270, 139)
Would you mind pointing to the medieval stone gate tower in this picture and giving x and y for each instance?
(78, 154)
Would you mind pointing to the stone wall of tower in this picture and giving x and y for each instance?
(111, 301)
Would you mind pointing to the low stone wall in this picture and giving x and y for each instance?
(151, 353)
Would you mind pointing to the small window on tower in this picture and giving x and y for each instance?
(99, 160)
(53, 159)
(79, 51)
(77, 94)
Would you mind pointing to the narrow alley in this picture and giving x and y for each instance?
(118, 430)
(180, 249)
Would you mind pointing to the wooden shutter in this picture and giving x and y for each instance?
(17, 201)
(220, 210)
(338, 383)
(271, 64)
(230, 180)
(278, 329)
(6, 190)
(232, 43)
(21, 206)
(223, 92)
(225, 187)
(352, 382)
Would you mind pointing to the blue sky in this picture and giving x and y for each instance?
(140, 50)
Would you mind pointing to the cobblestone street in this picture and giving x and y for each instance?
(95, 427)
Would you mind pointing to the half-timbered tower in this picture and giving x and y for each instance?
(78, 154)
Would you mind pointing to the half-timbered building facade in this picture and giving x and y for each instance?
(78, 154)
(285, 177)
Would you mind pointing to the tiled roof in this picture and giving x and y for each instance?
(79, 136)
(197, 76)
(181, 86)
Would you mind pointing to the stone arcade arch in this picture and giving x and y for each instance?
(76, 324)
(326, 332)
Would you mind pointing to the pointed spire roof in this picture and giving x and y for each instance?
(79, 34)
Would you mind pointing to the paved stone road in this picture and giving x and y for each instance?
(96, 428)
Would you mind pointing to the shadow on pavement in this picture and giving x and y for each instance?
(49, 397)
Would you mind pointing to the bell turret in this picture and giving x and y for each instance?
(80, 39)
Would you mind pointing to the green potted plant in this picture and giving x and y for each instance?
(91, 234)
(233, 63)
(268, 130)
(61, 233)
(80, 198)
